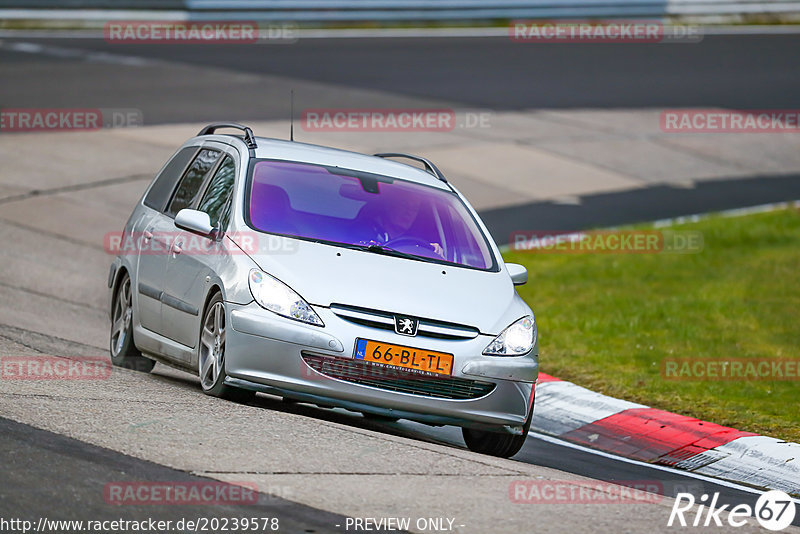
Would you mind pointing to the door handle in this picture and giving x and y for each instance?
(176, 249)
(148, 235)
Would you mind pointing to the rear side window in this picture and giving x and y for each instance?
(190, 184)
(164, 184)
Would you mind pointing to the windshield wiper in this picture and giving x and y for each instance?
(389, 251)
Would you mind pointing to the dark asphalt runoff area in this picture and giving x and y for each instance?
(656, 202)
(50, 477)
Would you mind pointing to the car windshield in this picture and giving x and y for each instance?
(364, 210)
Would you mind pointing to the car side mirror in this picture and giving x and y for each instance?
(518, 273)
(195, 221)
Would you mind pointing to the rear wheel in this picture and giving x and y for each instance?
(500, 444)
(123, 351)
(211, 356)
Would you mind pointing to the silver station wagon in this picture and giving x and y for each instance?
(328, 277)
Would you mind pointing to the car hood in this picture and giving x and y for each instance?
(326, 274)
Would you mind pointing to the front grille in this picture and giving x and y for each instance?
(385, 321)
(396, 379)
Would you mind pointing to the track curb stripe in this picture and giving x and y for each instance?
(651, 435)
(547, 378)
(573, 413)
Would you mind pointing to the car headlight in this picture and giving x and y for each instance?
(515, 340)
(277, 297)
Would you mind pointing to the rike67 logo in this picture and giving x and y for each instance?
(774, 510)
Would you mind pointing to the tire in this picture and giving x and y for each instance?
(211, 355)
(123, 351)
(500, 444)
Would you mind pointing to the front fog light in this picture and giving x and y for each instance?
(515, 340)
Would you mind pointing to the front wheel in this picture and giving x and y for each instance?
(123, 351)
(500, 444)
(211, 356)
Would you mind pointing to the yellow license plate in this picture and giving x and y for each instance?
(419, 360)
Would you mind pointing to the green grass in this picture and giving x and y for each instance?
(606, 321)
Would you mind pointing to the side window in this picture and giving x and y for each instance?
(164, 184)
(219, 190)
(190, 184)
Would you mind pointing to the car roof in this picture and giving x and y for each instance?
(270, 148)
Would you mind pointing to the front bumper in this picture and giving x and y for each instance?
(264, 353)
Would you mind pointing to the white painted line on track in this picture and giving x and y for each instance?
(93, 15)
(758, 460)
(75, 53)
(677, 472)
(735, 212)
(684, 219)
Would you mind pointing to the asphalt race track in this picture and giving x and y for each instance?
(732, 71)
(58, 464)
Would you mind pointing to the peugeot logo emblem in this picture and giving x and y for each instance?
(405, 326)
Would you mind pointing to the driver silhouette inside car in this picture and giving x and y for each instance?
(391, 221)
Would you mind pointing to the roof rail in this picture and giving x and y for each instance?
(249, 138)
(430, 167)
